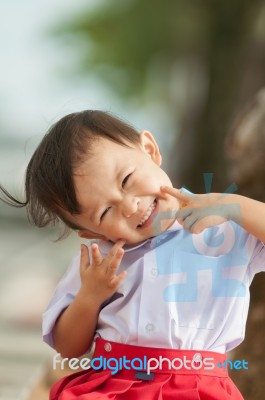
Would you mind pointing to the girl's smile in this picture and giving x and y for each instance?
(149, 215)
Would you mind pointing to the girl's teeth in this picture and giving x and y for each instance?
(148, 213)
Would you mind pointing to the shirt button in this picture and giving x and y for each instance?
(149, 327)
(197, 357)
(154, 272)
(107, 347)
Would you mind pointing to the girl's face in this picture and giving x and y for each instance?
(118, 190)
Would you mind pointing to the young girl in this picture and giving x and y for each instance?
(163, 304)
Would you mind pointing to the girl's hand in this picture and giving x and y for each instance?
(200, 211)
(98, 279)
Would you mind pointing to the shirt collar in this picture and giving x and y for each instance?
(105, 246)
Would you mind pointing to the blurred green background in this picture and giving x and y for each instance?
(191, 72)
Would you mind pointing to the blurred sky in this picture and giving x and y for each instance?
(35, 89)
(30, 64)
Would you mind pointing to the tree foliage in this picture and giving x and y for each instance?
(127, 42)
(124, 39)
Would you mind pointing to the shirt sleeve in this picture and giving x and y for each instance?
(253, 249)
(257, 261)
(64, 294)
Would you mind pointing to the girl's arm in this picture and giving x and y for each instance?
(200, 211)
(74, 330)
(251, 217)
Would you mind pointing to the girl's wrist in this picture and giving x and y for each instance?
(86, 298)
(233, 209)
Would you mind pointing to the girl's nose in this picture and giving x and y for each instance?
(130, 206)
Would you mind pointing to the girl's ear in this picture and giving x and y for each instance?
(90, 235)
(150, 146)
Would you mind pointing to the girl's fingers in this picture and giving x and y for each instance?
(96, 255)
(113, 252)
(111, 262)
(184, 213)
(189, 223)
(184, 198)
(115, 263)
(117, 279)
(84, 258)
(113, 259)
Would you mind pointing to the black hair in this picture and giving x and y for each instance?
(49, 186)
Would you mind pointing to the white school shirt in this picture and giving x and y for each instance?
(182, 290)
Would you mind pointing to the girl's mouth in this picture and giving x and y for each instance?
(149, 216)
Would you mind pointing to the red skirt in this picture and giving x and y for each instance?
(132, 372)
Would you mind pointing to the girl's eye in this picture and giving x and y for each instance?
(125, 180)
(104, 213)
